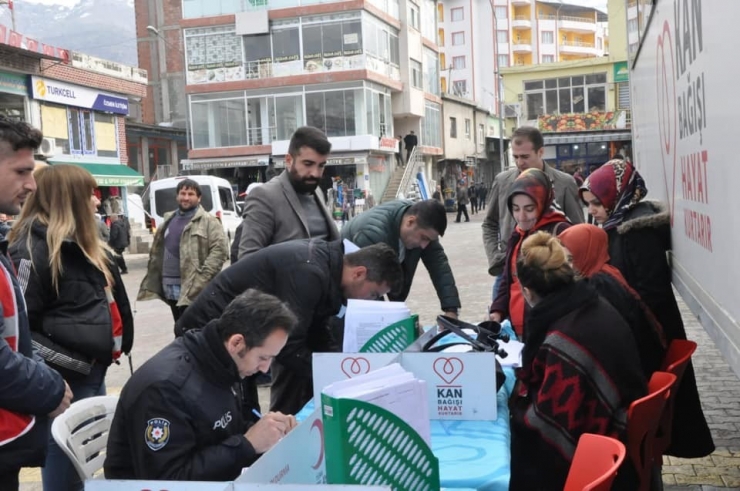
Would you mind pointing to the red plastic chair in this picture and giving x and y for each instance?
(643, 419)
(595, 463)
(675, 362)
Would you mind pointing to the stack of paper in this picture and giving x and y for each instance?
(365, 318)
(393, 389)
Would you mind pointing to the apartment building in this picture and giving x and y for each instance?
(476, 37)
(581, 106)
(364, 71)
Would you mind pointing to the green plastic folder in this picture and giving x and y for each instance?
(394, 338)
(365, 444)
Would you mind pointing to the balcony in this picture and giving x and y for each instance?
(576, 48)
(521, 22)
(521, 47)
(577, 24)
(521, 3)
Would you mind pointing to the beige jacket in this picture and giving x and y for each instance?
(203, 250)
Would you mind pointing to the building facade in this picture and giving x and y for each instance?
(362, 71)
(582, 107)
(477, 37)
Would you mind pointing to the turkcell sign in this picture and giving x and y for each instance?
(77, 96)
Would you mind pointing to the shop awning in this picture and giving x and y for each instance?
(109, 174)
(590, 137)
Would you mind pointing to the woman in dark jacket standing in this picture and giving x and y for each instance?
(580, 371)
(589, 249)
(639, 238)
(78, 310)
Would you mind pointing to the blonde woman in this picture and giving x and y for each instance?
(78, 310)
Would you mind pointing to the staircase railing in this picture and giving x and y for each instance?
(409, 175)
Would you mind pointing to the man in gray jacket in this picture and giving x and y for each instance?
(290, 206)
(527, 147)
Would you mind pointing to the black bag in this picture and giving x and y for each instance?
(486, 341)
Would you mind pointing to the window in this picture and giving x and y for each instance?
(219, 120)
(458, 62)
(460, 87)
(380, 40)
(548, 37)
(481, 134)
(501, 13)
(458, 38)
(431, 71)
(334, 112)
(286, 44)
(415, 75)
(502, 36)
(468, 128)
(440, 12)
(503, 61)
(441, 37)
(600, 43)
(81, 139)
(623, 95)
(453, 127)
(413, 20)
(332, 39)
(213, 54)
(79, 131)
(431, 125)
(577, 94)
(548, 58)
(428, 20)
(457, 14)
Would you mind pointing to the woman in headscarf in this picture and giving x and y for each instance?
(580, 371)
(639, 238)
(589, 249)
(531, 203)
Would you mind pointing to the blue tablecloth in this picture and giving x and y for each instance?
(472, 454)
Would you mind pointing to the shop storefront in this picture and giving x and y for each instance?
(81, 127)
(240, 171)
(586, 152)
(13, 96)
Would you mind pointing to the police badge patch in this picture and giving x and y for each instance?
(157, 433)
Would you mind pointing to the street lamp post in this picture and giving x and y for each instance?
(499, 86)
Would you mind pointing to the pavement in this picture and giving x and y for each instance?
(719, 387)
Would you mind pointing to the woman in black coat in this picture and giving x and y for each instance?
(639, 238)
(580, 371)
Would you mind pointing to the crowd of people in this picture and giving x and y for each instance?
(593, 305)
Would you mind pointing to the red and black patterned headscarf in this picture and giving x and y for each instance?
(618, 186)
(535, 184)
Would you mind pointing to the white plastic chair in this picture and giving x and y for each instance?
(82, 432)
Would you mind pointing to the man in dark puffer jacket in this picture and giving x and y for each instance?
(413, 231)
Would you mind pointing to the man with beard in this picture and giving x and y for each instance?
(267, 219)
(189, 249)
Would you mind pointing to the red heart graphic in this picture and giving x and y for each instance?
(667, 119)
(353, 367)
(448, 369)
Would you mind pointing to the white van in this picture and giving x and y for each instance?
(217, 198)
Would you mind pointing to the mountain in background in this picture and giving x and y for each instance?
(102, 28)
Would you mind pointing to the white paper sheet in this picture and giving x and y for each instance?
(365, 318)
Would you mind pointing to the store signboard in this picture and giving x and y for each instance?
(77, 96)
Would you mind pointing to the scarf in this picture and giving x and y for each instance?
(618, 186)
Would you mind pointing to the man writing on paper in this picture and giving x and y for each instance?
(179, 417)
(413, 231)
(315, 278)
